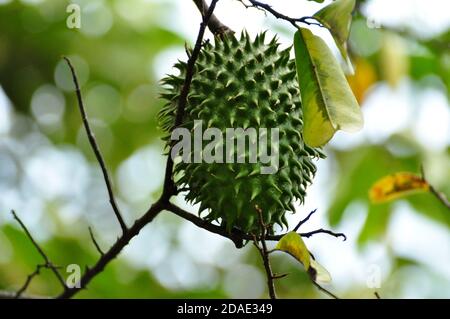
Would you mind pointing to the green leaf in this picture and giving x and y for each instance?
(319, 1)
(292, 243)
(337, 18)
(328, 102)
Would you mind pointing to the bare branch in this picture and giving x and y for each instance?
(95, 148)
(278, 15)
(169, 188)
(280, 276)
(28, 280)
(264, 254)
(304, 220)
(48, 263)
(323, 231)
(238, 237)
(95, 242)
(112, 253)
(325, 290)
(440, 196)
(235, 235)
(214, 24)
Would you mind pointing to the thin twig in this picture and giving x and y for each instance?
(304, 220)
(95, 242)
(264, 254)
(95, 148)
(28, 280)
(236, 235)
(278, 15)
(440, 196)
(112, 253)
(280, 276)
(324, 231)
(325, 290)
(377, 295)
(169, 187)
(48, 263)
(214, 24)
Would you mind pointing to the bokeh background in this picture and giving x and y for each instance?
(48, 174)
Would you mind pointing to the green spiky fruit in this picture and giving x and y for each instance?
(242, 84)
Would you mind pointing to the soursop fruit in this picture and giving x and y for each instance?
(240, 83)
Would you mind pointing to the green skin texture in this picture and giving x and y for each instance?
(240, 83)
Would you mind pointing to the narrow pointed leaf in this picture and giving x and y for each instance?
(292, 243)
(337, 18)
(328, 102)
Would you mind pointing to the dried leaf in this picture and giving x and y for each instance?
(397, 185)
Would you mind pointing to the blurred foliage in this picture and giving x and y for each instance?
(374, 162)
(116, 62)
(30, 56)
(117, 281)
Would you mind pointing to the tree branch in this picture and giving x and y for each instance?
(329, 293)
(304, 220)
(168, 188)
(95, 148)
(235, 235)
(214, 24)
(112, 253)
(48, 264)
(278, 15)
(95, 242)
(30, 277)
(440, 196)
(324, 231)
(265, 254)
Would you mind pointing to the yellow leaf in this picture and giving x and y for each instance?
(397, 185)
(318, 273)
(292, 243)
